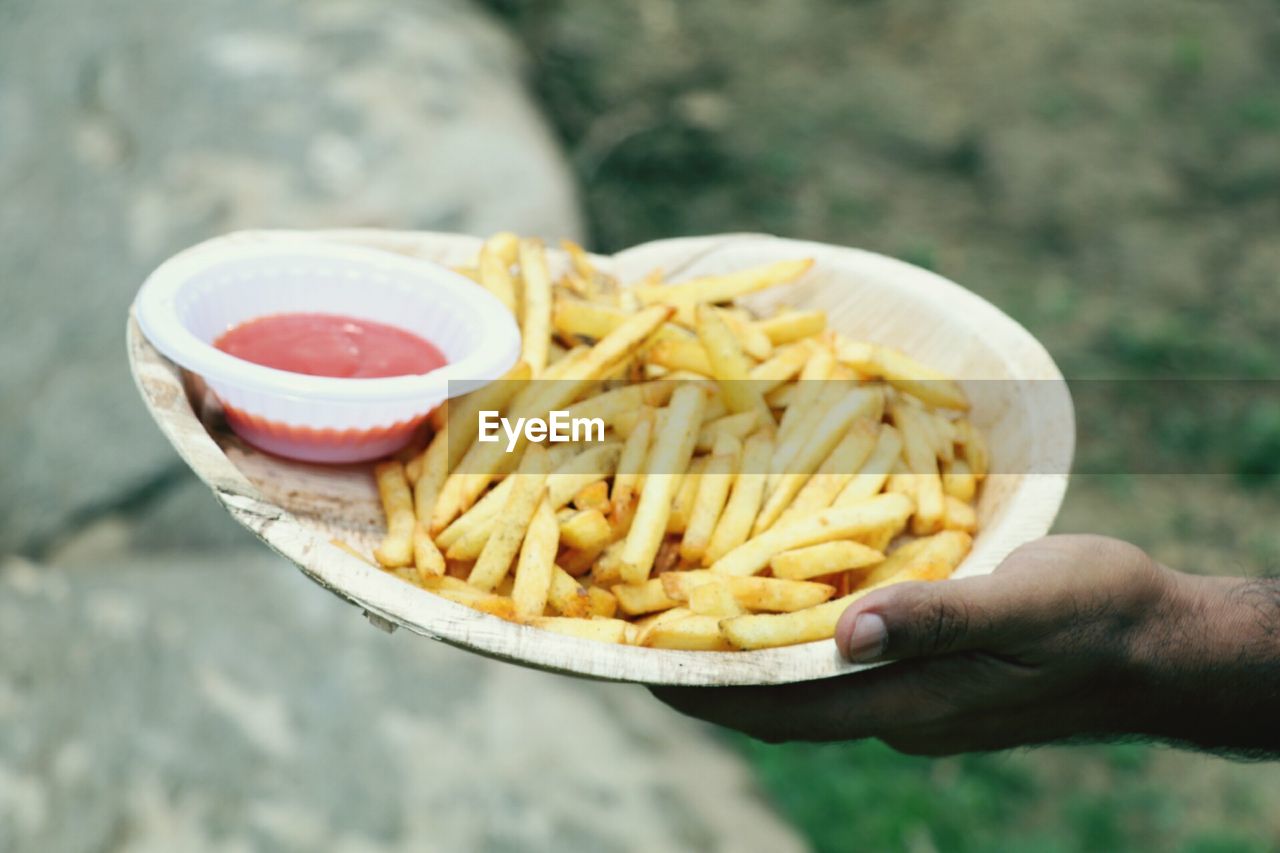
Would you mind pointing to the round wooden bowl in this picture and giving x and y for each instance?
(297, 508)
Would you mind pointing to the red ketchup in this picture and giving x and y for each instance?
(331, 345)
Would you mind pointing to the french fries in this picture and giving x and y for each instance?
(536, 563)
(530, 486)
(729, 364)
(755, 476)
(535, 324)
(826, 558)
(713, 491)
(396, 549)
(672, 449)
(776, 595)
(843, 522)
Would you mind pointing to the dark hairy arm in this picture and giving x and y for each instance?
(1072, 638)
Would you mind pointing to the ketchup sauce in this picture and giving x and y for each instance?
(331, 345)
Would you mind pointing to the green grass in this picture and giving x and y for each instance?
(866, 796)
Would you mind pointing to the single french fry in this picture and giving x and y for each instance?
(587, 530)
(426, 556)
(903, 372)
(754, 342)
(505, 245)
(580, 318)
(579, 257)
(645, 624)
(413, 468)
(959, 515)
(827, 558)
(744, 501)
(974, 448)
(594, 495)
(536, 563)
(396, 549)
(943, 433)
(680, 355)
(670, 454)
(646, 597)
(566, 596)
(607, 569)
(435, 584)
(713, 599)
(535, 321)
(690, 633)
(686, 494)
(958, 480)
(577, 562)
(495, 271)
(713, 490)
(722, 288)
(530, 485)
(729, 365)
(835, 472)
(768, 630)
(631, 463)
(918, 452)
(842, 522)
(752, 593)
(903, 483)
(623, 342)
(601, 602)
(573, 317)
(599, 630)
(875, 470)
(792, 326)
(784, 365)
(485, 602)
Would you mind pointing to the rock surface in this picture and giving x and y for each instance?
(228, 704)
(132, 128)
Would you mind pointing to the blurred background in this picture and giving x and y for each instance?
(1106, 171)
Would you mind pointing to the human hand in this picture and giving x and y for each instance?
(1071, 637)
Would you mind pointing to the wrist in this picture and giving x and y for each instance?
(1207, 666)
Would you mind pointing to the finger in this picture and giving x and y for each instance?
(1042, 587)
(917, 619)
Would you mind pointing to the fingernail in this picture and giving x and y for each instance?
(868, 639)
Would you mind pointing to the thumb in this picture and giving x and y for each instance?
(919, 619)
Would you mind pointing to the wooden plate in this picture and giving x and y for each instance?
(296, 508)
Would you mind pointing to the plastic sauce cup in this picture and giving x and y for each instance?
(196, 296)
